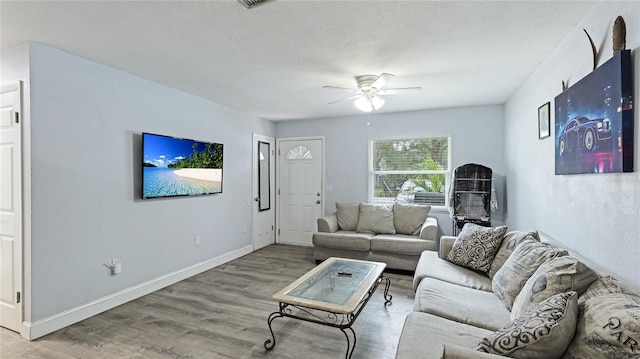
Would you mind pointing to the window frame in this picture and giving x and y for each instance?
(372, 172)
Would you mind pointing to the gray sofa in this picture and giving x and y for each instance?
(456, 309)
(395, 234)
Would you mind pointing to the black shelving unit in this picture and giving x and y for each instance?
(471, 196)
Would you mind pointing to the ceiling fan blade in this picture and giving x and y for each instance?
(381, 80)
(339, 88)
(344, 99)
(399, 91)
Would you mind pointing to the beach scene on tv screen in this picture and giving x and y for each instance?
(180, 167)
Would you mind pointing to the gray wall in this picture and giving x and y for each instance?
(477, 135)
(597, 215)
(86, 124)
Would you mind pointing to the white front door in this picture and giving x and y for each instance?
(300, 177)
(264, 174)
(10, 208)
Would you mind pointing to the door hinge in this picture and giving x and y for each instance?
(272, 227)
(278, 191)
(18, 297)
(17, 117)
(278, 152)
(278, 231)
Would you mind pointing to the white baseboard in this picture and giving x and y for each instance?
(35, 330)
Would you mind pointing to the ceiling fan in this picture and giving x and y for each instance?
(370, 88)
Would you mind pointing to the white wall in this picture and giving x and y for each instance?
(597, 215)
(477, 135)
(85, 134)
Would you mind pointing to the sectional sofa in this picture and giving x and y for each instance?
(520, 295)
(395, 234)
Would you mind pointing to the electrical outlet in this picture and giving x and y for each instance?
(197, 240)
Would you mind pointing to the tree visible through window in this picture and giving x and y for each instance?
(410, 170)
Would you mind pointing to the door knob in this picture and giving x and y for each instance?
(256, 199)
(318, 201)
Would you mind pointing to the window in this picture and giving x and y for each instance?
(410, 170)
(299, 153)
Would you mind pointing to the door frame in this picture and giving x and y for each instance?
(18, 266)
(254, 183)
(278, 164)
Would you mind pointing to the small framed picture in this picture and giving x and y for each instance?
(543, 121)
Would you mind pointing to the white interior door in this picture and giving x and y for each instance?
(10, 208)
(300, 177)
(264, 173)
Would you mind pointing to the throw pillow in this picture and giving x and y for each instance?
(408, 218)
(521, 264)
(558, 275)
(543, 332)
(476, 246)
(608, 324)
(509, 243)
(376, 218)
(347, 215)
(604, 286)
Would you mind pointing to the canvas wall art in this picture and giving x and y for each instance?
(594, 121)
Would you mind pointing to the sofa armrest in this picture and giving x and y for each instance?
(446, 243)
(429, 229)
(328, 223)
(457, 352)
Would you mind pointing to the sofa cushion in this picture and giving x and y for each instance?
(347, 214)
(609, 323)
(431, 265)
(400, 244)
(520, 265)
(476, 246)
(461, 304)
(458, 352)
(343, 240)
(408, 218)
(376, 218)
(543, 332)
(509, 243)
(559, 275)
(423, 336)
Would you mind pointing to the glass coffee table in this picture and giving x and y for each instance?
(333, 294)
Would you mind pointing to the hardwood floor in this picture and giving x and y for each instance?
(222, 313)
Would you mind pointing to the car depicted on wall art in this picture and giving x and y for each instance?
(594, 125)
(582, 132)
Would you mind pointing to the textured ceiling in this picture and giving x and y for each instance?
(272, 61)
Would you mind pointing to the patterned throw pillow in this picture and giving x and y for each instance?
(476, 246)
(608, 324)
(509, 243)
(347, 215)
(521, 264)
(408, 218)
(558, 275)
(376, 218)
(543, 332)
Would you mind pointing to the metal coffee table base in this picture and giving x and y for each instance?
(331, 319)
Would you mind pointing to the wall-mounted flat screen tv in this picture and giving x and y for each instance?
(174, 166)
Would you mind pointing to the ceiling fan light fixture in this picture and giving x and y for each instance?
(366, 93)
(377, 102)
(368, 103)
(364, 104)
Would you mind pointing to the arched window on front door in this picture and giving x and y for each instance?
(299, 153)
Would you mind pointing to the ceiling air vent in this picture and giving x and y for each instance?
(250, 4)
